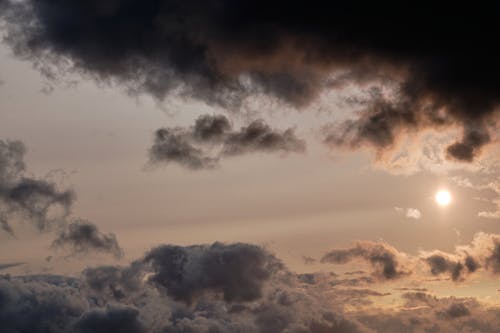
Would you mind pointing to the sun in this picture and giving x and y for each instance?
(443, 197)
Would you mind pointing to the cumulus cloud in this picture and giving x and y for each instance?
(237, 271)
(292, 52)
(387, 262)
(255, 298)
(150, 296)
(483, 252)
(190, 147)
(82, 237)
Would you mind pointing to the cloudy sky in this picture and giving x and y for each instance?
(250, 166)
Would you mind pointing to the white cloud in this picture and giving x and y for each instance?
(411, 213)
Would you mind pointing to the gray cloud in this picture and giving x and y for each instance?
(46, 206)
(189, 147)
(468, 148)
(237, 271)
(456, 310)
(33, 199)
(482, 253)
(10, 265)
(270, 299)
(82, 237)
(387, 261)
(440, 263)
(226, 53)
(112, 319)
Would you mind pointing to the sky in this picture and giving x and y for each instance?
(251, 166)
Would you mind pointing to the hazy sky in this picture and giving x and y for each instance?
(341, 178)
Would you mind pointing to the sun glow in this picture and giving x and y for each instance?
(443, 198)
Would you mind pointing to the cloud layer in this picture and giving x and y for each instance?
(442, 73)
(223, 288)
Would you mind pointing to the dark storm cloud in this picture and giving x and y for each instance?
(444, 71)
(386, 260)
(112, 319)
(237, 271)
(190, 147)
(38, 305)
(31, 198)
(82, 237)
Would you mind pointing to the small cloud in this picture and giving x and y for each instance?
(411, 213)
(10, 265)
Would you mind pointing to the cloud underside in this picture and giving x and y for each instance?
(442, 73)
(191, 147)
(224, 288)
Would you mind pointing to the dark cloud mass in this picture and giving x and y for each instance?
(190, 147)
(111, 319)
(83, 236)
(238, 271)
(444, 72)
(387, 262)
(259, 295)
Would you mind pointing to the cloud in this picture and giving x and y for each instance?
(440, 263)
(82, 305)
(492, 184)
(10, 265)
(294, 53)
(456, 310)
(481, 255)
(114, 282)
(472, 141)
(82, 237)
(386, 261)
(36, 200)
(112, 319)
(150, 294)
(411, 213)
(189, 147)
(38, 305)
(33, 199)
(47, 207)
(237, 271)
(483, 252)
